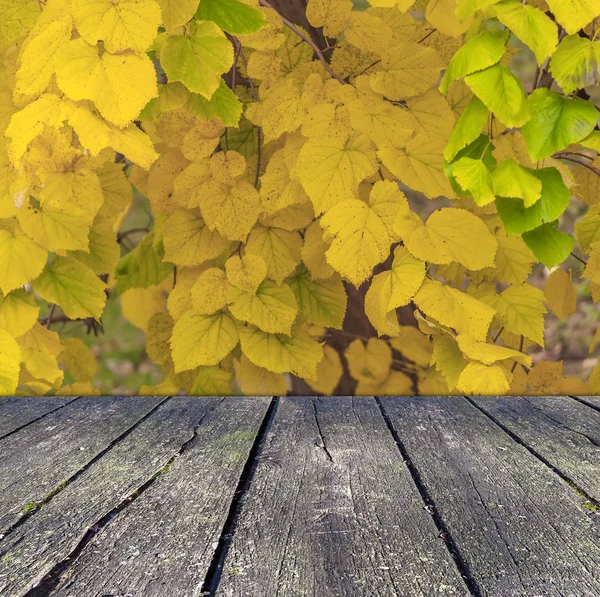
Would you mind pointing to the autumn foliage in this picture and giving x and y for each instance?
(280, 162)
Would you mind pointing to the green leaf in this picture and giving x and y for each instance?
(73, 287)
(530, 25)
(502, 93)
(322, 302)
(199, 58)
(554, 200)
(576, 63)
(556, 122)
(467, 129)
(473, 176)
(548, 244)
(143, 266)
(200, 340)
(513, 180)
(232, 16)
(223, 104)
(479, 53)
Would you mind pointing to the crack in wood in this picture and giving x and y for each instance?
(52, 578)
(584, 401)
(588, 499)
(215, 569)
(323, 444)
(59, 407)
(430, 506)
(35, 507)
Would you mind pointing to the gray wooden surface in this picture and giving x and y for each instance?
(291, 497)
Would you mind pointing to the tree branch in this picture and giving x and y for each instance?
(307, 39)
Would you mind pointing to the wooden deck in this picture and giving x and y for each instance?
(295, 497)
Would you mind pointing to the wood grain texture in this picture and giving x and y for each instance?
(521, 530)
(562, 431)
(163, 543)
(52, 533)
(593, 400)
(333, 511)
(43, 455)
(16, 412)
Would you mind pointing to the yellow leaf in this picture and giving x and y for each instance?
(200, 340)
(39, 350)
(120, 85)
(120, 24)
(246, 272)
(329, 372)
(484, 380)
(209, 292)
(370, 363)
(432, 115)
(393, 288)
(82, 389)
(546, 378)
(188, 240)
(368, 32)
(10, 363)
(256, 381)
(513, 260)
(138, 305)
(21, 260)
(26, 125)
(38, 58)
(561, 294)
(385, 123)
(322, 302)
(448, 359)
(271, 308)
(450, 234)
(232, 209)
(104, 250)
(298, 354)
(413, 344)
(574, 15)
(18, 16)
(277, 189)
(441, 14)
(396, 384)
(280, 250)
(455, 309)
(362, 233)
(521, 308)
(78, 359)
(212, 381)
(489, 353)
(588, 228)
(312, 252)
(73, 287)
(419, 166)
(54, 228)
(18, 312)
(332, 15)
(406, 70)
(95, 134)
(177, 12)
(331, 170)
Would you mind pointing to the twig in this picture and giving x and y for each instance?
(428, 35)
(520, 350)
(562, 156)
(307, 39)
(49, 318)
(578, 258)
(498, 334)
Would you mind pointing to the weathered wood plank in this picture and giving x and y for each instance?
(43, 455)
(16, 412)
(333, 510)
(165, 540)
(521, 530)
(564, 432)
(594, 400)
(51, 534)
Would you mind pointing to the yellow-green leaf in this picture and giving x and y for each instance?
(21, 260)
(10, 363)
